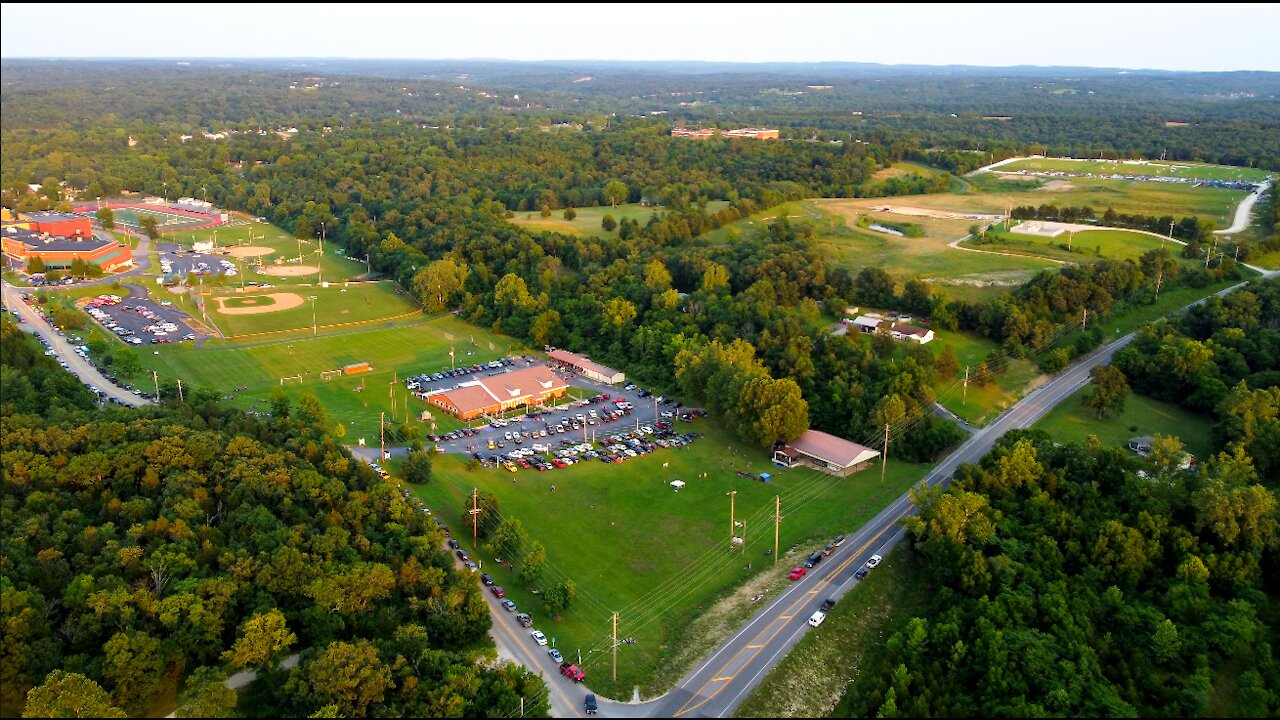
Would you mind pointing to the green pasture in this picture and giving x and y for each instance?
(410, 348)
(587, 223)
(1071, 421)
(658, 557)
(335, 307)
(1154, 168)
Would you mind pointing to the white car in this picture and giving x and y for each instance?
(538, 637)
(874, 561)
(816, 618)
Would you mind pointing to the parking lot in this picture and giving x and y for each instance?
(139, 320)
(611, 424)
(176, 263)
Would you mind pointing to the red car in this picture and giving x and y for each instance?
(572, 672)
(498, 591)
(796, 573)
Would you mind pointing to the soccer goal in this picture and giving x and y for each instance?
(291, 379)
(330, 374)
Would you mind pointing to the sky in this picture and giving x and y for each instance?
(1195, 36)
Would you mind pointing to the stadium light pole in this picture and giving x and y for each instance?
(312, 298)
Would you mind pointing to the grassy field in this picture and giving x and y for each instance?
(333, 266)
(1125, 196)
(335, 307)
(1071, 421)
(658, 557)
(1155, 168)
(1080, 247)
(589, 218)
(410, 348)
(812, 678)
(962, 274)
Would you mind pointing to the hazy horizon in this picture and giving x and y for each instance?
(1190, 38)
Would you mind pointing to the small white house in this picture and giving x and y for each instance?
(902, 331)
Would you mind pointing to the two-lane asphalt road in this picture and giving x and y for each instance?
(715, 687)
(34, 323)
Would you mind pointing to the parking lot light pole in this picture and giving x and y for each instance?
(312, 298)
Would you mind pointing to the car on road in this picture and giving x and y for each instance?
(572, 672)
(589, 705)
(830, 548)
(462, 555)
(538, 637)
(816, 618)
(485, 578)
(813, 559)
(874, 561)
(796, 573)
(838, 541)
(555, 655)
(510, 606)
(828, 604)
(525, 619)
(497, 591)
(862, 572)
(470, 565)
(454, 544)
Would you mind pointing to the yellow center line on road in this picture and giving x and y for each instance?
(552, 686)
(790, 612)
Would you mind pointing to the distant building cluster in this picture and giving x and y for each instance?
(748, 133)
(59, 239)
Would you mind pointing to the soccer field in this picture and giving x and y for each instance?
(1152, 168)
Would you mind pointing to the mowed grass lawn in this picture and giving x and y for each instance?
(1155, 168)
(659, 558)
(1071, 421)
(1127, 197)
(408, 349)
(336, 306)
(1080, 247)
(589, 218)
(960, 273)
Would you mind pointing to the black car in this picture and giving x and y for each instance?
(813, 559)
(862, 572)
(454, 544)
(462, 555)
(828, 604)
(486, 578)
(589, 704)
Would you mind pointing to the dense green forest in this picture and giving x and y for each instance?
(1082, 581)
(149, 554)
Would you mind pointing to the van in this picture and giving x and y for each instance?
(813, 559)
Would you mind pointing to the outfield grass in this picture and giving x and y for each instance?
(334, 266)
(1071, 421)
(336, 306)
(658, 557)
(1155, 168)
(589, 218)
(811, 680)
(408, 349)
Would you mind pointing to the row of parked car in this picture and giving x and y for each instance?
(419, 382)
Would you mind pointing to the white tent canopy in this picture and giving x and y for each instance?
(677, 484)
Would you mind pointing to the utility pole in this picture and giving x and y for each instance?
(475, 513)
(965, 396)
(180, 390)
(731, 495)
(1159, 277)
(884, 462)
(156, 379)
(615, 647)
(382, 436)
(1085, 322)
(777, 525)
